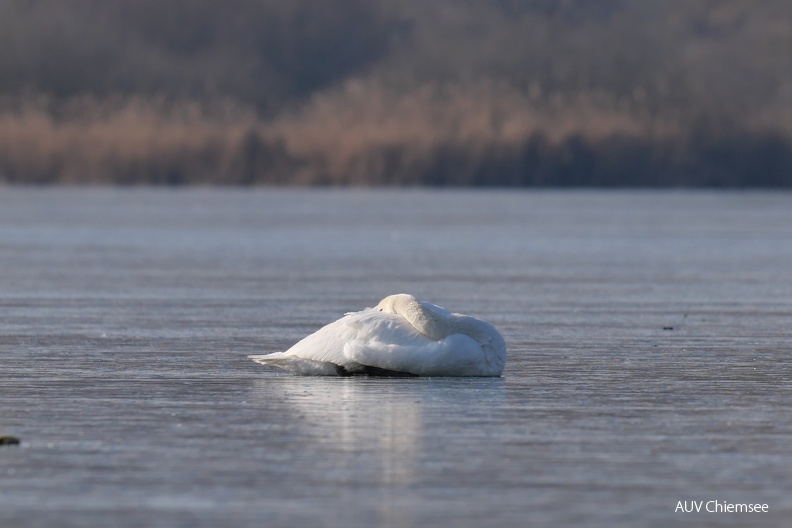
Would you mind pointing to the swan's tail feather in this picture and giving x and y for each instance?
(295, 365)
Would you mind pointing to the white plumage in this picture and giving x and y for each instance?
(400, 336)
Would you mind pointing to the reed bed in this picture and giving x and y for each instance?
(368, 134)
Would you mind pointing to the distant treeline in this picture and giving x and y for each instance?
(397, 92)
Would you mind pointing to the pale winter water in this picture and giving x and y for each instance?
(650, 338)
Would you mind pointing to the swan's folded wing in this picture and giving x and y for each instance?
(328, 344)
(455, 355)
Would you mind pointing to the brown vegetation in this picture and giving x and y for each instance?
(506, 92)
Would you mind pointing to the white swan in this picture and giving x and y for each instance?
(400, 336)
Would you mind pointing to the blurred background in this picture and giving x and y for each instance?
(397, 92)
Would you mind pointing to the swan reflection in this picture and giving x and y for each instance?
(386, 424)
(379, 421)
(378, 436)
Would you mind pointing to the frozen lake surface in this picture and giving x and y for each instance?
(649, 333)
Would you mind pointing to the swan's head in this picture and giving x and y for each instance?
(396, 304)
(426, 318)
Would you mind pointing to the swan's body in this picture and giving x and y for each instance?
(400, 336)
